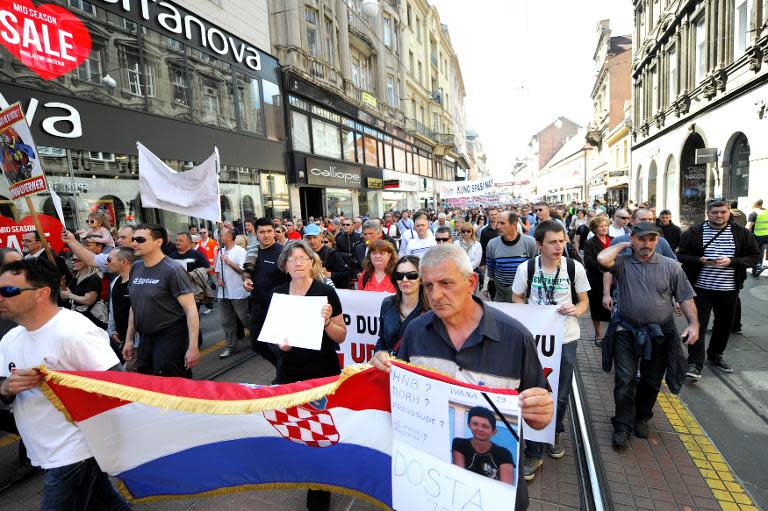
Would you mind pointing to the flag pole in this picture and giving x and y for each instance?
(40, 231)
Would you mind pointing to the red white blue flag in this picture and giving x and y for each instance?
(171, 437)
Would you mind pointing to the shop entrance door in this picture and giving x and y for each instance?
(311, 202)
(693, 182)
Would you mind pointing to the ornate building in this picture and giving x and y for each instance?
(699, 71)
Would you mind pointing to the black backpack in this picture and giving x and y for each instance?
(570, 267)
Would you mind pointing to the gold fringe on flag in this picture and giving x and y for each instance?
(189, 404)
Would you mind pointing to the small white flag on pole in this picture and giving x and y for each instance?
(57, 204)
(194, 192)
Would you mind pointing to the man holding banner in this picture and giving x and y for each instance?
(540, 281)
(471, 342)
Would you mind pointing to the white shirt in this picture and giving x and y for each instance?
(416, 246)
(233, 282)
(562, 293)
(67, 342)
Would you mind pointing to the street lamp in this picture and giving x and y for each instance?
(370, 8)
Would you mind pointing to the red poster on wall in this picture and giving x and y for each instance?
(11, 232)
(47, 39)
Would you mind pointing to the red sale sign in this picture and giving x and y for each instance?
(48, 39)
(11, 232)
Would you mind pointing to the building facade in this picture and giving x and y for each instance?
(608, 131)
(163, 75)
(564, 178)
(352, 148)
(699, 72)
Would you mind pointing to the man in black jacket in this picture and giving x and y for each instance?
(669, 231)
(348, 239)
(715, 257)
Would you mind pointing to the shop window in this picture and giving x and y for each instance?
(273, 111)
(371, 151)
(348, 141)
(179, 86)
(82, 5)
(399, 160)
(300, 132)
(249, 96)
(274, 190)
(338, 201)
(101, 156)
(90, 69)
(211, 101)
(141, 81)
(326, 139)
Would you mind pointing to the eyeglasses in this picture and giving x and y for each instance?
(442, 240)
(624, 217)
(347, 225)
(539, 209)
(296, 260)
(11, 291)
(139, 239)
(410, 275)
(80, 261)
(109, 259)
(465, 231)
(326, 242)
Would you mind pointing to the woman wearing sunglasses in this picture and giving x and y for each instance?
(82, 292)
(280, 236)
(378, 267)
(398, 310)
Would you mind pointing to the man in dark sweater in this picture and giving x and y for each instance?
(260, 276)
(669, 231)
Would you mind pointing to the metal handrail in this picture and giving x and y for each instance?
(594, 479)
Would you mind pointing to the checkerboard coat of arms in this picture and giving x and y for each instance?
(308, 424)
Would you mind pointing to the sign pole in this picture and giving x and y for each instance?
(40, 231)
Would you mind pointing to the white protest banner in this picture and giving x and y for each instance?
(435, 422)
(361, 311)
(307, 333)
(459, 189)
(57, 205)
(547, 327)
(194, 192)
(18, 154)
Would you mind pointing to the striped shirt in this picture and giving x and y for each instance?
(717, 278)
(503, 257)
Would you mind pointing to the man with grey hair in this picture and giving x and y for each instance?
(371, 233)
(442, 221)
(471, 342)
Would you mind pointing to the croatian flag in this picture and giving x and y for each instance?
(166, 437)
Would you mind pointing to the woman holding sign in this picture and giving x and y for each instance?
(297, 364)
(408, 303)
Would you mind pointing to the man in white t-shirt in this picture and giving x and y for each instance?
(554, 283)
(63, 340)
(416, 241)
(233, 298)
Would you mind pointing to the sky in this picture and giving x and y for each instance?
(526, 62)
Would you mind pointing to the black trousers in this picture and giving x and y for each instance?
(162, 353)
(723, 304)
(266, 350)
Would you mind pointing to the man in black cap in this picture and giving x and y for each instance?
(643, 328)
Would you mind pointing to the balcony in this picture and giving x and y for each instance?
(320, 69)
(442, 141)
(359, 27)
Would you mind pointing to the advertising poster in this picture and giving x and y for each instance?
(18, 154)
(454, 446)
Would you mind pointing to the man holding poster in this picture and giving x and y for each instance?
(541, 281)
(472, 343)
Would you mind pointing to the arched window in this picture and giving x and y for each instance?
(693, 182)
(738, 175)
(670, 190)
(652, 184)
(226, 208)
(248, 210)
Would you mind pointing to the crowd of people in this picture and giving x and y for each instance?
(131, 299)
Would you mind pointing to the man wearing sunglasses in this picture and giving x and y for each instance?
(63, 340)
(471, 342)
(163, 310)
(348, 239)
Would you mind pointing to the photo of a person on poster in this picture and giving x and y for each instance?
(479, 454)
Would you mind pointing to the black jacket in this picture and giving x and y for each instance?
(341, 273)
(691, 249)
(347, 242)
(671, 233)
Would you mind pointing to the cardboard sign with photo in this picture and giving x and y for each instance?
(455, 446)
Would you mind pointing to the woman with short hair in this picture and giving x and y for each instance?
(593, 246)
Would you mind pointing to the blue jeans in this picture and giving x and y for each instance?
(634, 399)
(567, 363)
(762, 243)
(81, 486)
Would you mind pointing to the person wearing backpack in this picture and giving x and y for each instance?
(551, 279)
